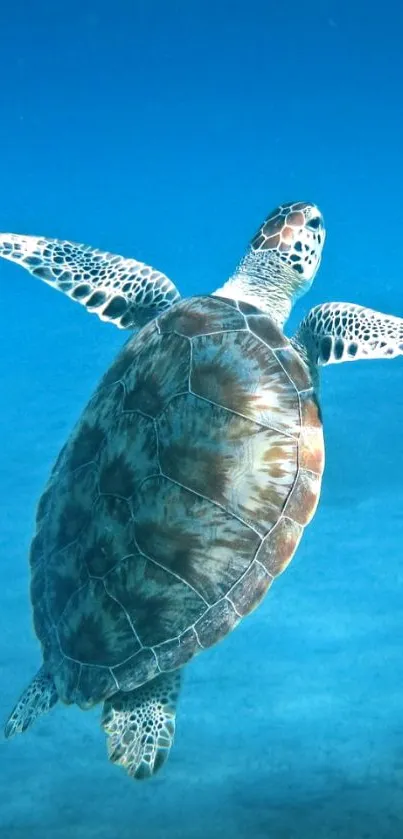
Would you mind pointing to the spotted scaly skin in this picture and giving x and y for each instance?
(121, 291)
(281, 261)
(336, 332)
(278, 267)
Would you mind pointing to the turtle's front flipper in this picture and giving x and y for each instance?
(38, 698)
(335, 332)
(119, 290)
(140, 725)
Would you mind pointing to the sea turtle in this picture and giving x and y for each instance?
(185, 487)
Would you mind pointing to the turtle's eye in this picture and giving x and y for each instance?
(314, 223)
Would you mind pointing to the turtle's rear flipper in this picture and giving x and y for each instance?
(140, 725)
(37, 699)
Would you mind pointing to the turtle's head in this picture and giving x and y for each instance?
(294, 234)
(281, 260)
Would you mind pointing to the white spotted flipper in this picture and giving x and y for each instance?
(119, 290)
(337, 332)
(37, 699)
(140, 725)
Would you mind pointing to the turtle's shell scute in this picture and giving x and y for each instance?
(179, 497)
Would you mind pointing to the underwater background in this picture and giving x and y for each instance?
(167, 131)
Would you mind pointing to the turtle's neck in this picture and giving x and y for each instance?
(262, 280)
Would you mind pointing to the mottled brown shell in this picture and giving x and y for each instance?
(181, 494)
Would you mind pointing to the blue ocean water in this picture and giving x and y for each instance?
(166, 131)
